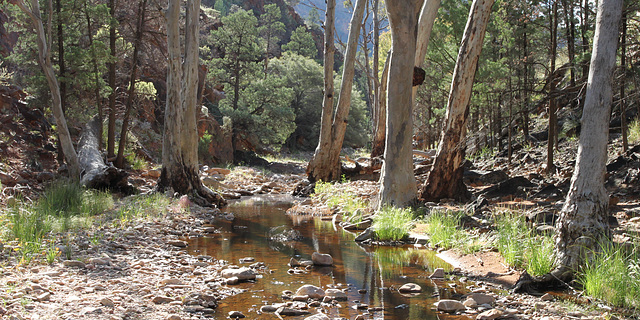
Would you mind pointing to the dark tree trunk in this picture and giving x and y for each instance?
(111, 127)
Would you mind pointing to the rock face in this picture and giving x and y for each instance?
(410, 288)
(310, 290)
(321, 259)
(449, 305)
(242, 274)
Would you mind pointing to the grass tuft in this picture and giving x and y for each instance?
(613, 275)
(393, 224)
(634, 131)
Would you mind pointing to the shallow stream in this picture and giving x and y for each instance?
(370, 274)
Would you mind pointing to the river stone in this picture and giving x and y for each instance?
(410, 288)
(74, 263)
(243, 273)
(177, 243)
(300, 298)
(107, 302)
(490, 315)
(481, 298)
(449, 305)
(294, 263)
(318, 316)
(336, 294)
(174, 317)
(236, 314)
(546, 297)
(365, 235)
(437, 274)
(170, 281)
(268, 309)
(310, 290)
(284, 311)
(321, 259)
(470, 303)
(161, 300)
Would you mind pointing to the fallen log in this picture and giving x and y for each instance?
(96, 174)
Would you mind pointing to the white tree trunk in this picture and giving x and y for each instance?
(397, 181)
(583, 220)
(445, 178)
(44, 59)
(325, 164)
(180, 137)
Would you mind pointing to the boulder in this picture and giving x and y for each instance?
(321, 259)
(310, 290)
(450, 306)
(365, 235)
(437, 274)
(481, 298)
(243, 273)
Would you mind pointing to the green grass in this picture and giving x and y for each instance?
(136, 163)
(445, 231)
(613, 275)
(521, 247)
(341, 196)
(393, 224)
(634, 131)
(142, 206)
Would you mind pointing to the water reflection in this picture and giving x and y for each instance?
(370, 275)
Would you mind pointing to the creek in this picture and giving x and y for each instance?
(370, 274)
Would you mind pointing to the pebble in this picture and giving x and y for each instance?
(335, 294)
(236, 315)
(243, 273)
(447, 305)
(318, 316)
(74, 264)
(161, 300)
(268, 308)
(547, 297)
(410, 288)
(174, 317)
(322, 259)
(178, 243)
(437, 274)
(311, 291)
(107, 302)
(490, 315)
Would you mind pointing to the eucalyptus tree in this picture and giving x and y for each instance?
(325, 163)
(180, 172)
(44, 39)
(445, 177)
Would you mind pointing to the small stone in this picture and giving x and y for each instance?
(547, 297)
(174, 317)
(318, 316)
(170, 281)
(236, 315)
(490, 315)
(268, 309)
(336, 294)
(247, 260)
(310, 290)
(481, 298)
(43, 297)
(107, 302)
(437, 274)
(99, 262)
(161, 300)
(321, 259)
(447, 305)
(178, 243)
(233, 281)
(294, 263)
(286, 311)
(470, 303)
(300, 298)
(243, 273)
(74, 263)
(410, 288)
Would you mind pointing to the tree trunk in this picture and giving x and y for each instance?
(567, 6)
(96, 75)
(623, 82)
(96, 174)
(179, 152)
(142, 9)
(445, 178)
(62, 69)
(553, 116)
(583, 220)
(584, 30)
(325, 164)
(111, 126)
(377, 146)
(397, 181)
(44, 59)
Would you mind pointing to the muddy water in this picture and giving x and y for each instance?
(371, 275)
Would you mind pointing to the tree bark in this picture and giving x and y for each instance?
(111, 126)
(553, 116)
(623, 83)
(583, 220)
(43, 40)
(96, 174)
(325, 164)
(445, 178)
(179, 150)
(379, 132)
(397, 181)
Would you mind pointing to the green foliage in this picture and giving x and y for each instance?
(142, 206)
(443, 228)
(136, 163)
(521, 247)
(343, 197)
(613, 274)
(301, 43)
(271, 29)
(392, 223)
(203, 145)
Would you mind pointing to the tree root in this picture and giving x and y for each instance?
(555, 280)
